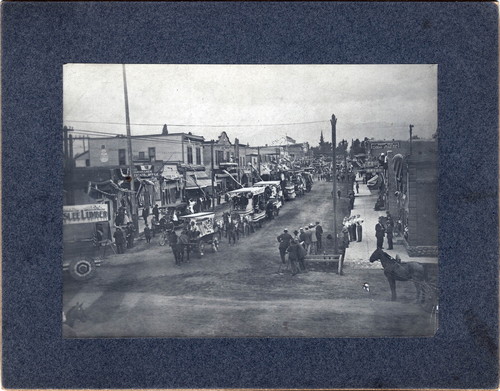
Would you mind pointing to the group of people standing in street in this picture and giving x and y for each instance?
(124, 237)
(352, 229)
(307, 240)
(181, 245)
(200, 204)
(385, 227)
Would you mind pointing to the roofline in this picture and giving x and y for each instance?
(79, 155)
(201, 138)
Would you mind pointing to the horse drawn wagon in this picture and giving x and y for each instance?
(299, 183)
(249, 204)
(289, 191)
(86, 238)
(201, 229)
(273, 193)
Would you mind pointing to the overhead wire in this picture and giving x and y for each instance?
(199, 125)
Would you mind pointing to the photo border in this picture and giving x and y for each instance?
(38, 38)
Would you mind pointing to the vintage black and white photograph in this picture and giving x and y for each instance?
(250, 201)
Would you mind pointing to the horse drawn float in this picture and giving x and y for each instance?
(201, 230)
(273, 193)
(249, 204)
(289, 191)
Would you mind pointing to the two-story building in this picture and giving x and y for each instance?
(165, 166)
(412, 196)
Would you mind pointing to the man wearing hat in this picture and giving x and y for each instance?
(284, 241)
(119, 240)
(319, 235)
(314, 239)
(389, 230)
(129, 234)
(380, 232)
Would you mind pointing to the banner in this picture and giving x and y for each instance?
(385, 145)
(90, 213)
(144, 171)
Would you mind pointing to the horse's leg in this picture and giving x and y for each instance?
(392, 284)
(418, 287)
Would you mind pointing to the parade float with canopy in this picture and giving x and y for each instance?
(299, 182)
(308, 178)
(273, 192)
(249, 202)
(204, 224)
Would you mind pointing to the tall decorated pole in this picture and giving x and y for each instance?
(333, 121)
(213, 174)
(133, 201)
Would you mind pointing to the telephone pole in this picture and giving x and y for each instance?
(258, 159)
(333, 121)
(213, 175)
(133, 201)
(411, 136)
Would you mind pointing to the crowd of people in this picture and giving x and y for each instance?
(304, 241)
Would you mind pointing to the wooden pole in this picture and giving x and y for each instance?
(258, 160)
(333, 121)
(213, 175)
(133, 202)
(411, 136)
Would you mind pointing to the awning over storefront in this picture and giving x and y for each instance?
(170, 172)
(192, 184)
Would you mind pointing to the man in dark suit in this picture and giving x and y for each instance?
(389, 231)
(119, 240)
(284, 240)
(156, 212)
(380, 232)
(319, 235)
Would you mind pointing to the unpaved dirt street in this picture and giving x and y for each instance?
(237, 292)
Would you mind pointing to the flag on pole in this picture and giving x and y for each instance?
(290, 140)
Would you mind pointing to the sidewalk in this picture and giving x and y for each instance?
(358, 254)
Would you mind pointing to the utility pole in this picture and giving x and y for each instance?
(213, 175)
(345, 156)
(411, 136)
(65, 145)
(333, 121)
(133, 201)
(258, 159)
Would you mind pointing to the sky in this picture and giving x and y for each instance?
(258, 104)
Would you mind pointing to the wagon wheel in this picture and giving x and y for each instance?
(163, 240)
(430, 297)
(82, 269)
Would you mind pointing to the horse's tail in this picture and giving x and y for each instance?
(426, 274)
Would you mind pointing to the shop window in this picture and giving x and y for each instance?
(121, 157)
(152, 154)
(198, 155)
(190, 155)
(219, 157)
